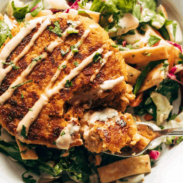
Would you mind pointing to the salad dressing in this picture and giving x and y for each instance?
(65, 138)
(110, 84)
(30, 117)
(5, 96)
(14, 42)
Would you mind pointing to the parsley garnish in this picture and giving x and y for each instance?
(26, 23)
(114, 46)
(63, 53)
(22, 96)
(36, 59)
(76, 63)
(21, 84)
(12, 65)
(97, 57)
(23, 132)
(68, 84)
(62, 133)
(165, 65)
(153, 40)
(57, 29)
(64, 66)
(30, 109)
(72, 31)
(74, 48)
(146, 54)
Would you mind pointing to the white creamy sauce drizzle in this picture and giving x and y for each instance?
(66, 33)
(30, 117)
(64, 141)
(18, 38)
(110, 84)
(5, 96)
(103, 115)
(54, 44)
(106, 56)
(93, 26)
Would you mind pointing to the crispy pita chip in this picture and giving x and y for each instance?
(125, 168)
(154, 77)
(145, 55)
(26, 153)
(133, 74)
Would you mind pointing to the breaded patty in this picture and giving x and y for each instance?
(56, 114)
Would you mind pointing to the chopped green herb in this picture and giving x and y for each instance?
(23, 132)
(153, 40)
(114, 46)
(26, 23)
(54, 143)
(16, 86)
(12, 65)
(64, 66)
(162, 127)
(57, 29)
(97, 57)
(22, 96)
(74, 48)
(72, 31)
(36, 59)
(10, 118)
(68, 84)
(63, 53)
(147, 54)
(30, 109)
(74, 24)
(62, 133)
(76, 63)
(165, 65)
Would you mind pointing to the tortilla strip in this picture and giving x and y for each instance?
(125, 168)
(133, 74)
(26, 154)
(146, 54)
(154, 77)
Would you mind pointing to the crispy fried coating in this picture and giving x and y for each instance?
(56, 114)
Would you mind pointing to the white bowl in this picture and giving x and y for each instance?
(169, 167)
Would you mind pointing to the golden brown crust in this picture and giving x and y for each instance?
(47, 127)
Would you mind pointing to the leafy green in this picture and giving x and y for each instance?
(23, 132)
(153, 40)
(76, 63)
(137, 11)
(76, 163)
(28, 179)
(38, 9)
(144, 73)
(163, 31)
(4, 33)
(63, 53)
(168, 88)
(56, 29)
(97, 57)
(165, 65)
(19, 12)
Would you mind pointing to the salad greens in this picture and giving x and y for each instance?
(167, 88)
(33, 7)
(4, 33)
(76, 163)
(144, 73)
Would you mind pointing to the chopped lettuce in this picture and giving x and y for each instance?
(4, 33)
(167, 88)
(34, 7)
(76, 163)
(163, 107)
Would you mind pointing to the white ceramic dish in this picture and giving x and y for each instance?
(167, 170)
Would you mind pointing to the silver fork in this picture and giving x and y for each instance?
(157, 134)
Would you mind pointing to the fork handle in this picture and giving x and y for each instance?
(171, 132)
